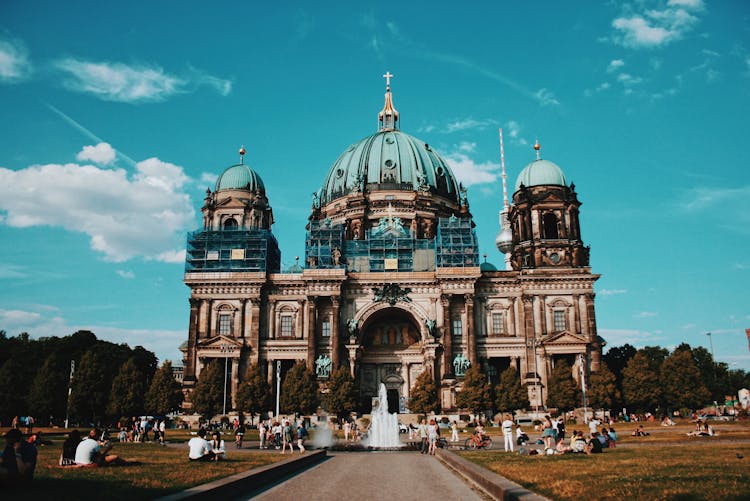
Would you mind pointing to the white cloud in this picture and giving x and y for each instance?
(102, 153)
(645, 314)
(209, 177)
(627, 79)
(14, 61)
(467, 147)
(8, 270)
(466, 124)
(125, 215)
(513, 129)
(614, 65)
(654, 28)
(612, 292)
(164, 343)
(638, 338)
(126, 274)
(469, 172)
(133, 83)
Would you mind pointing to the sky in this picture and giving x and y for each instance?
(116, 117)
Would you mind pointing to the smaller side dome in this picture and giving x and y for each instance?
(240, 177)
(539, 173)
(487, 267)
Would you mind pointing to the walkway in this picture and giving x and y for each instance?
(374, 476)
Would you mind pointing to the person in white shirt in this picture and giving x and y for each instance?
(454, 432)
(217, 447)
(162, 429)
(92, 452)
(200, 449)
(594, 425)
(507, 426)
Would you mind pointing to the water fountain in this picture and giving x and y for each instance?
(384, 427)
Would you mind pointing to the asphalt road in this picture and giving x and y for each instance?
(363, 476)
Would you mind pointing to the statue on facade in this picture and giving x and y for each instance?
(351, 328)
(430, 323)
(323, 366)
(460, 364)
(336, 256)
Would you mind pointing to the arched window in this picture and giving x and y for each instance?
(230, 224)
(550, 226)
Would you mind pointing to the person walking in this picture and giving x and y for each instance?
(423, 436)
(507, 426)
(432, 436)
(301, 436)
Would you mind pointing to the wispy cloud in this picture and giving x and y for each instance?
(638, 338)
(612, 292)
(466, 124)
(513, 131)
(645, 314)
(14, 61)
(657, 27)
(114, 81)
(209, 178)
(615, 65)
(733, 200)
(127, 274)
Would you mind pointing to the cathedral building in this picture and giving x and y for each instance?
(391, 284)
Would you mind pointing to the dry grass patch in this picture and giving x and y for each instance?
(161, 471)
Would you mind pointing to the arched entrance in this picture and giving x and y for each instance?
(390, 339)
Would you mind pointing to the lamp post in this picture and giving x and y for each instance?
(225, 349)
(70, 390)
(583, 386)
(278, 385)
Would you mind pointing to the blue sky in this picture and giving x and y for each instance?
(117, 116)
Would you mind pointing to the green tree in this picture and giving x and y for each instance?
(509, 394)
(90, 389)
(561, 387)
(475, 394)
(341, 398)
(641, 389)
(208, 395)
(299, 391)
(164, 394)
(253, 393)
(12, 400)
(602, 390)
(681, 382)
(424, 395)
(128, 390)
(49, 390)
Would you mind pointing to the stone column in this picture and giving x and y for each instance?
(299, 331)
(335, 335)
(254, 304)
(270, 375)
(237, 322)
(576, 314)
(596, 349)
(192, 340)
(311, 323)
(445, 302)
(470, 339)
(203, 321)
(529, 334)
(272, 319)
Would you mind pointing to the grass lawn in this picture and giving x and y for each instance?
(665, 465)
(162, 470)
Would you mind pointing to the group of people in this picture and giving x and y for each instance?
(281, 435)
(18, 459)
(205, 450)
(91, 450)
(140, 429)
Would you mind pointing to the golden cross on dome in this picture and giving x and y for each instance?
(388, 77)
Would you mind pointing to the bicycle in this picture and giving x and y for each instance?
(474, 442)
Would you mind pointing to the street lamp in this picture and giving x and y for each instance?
(225, 349)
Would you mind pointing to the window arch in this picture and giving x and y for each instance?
(230, 224)
(549, 222)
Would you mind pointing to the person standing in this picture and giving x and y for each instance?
(286, 437)
(423, 432)
(454, 431)
(162, 431)
(347, 429)
(262, 435)
(301, 436)
(507, 427)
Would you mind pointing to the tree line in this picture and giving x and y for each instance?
(110, 380)
(648, 379)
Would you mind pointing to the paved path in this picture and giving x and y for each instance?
(374, 476)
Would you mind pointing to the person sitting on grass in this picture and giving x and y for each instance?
(92, 452)
(640, 432)
(18, 460)
(577, 442)
(217, 447)
(68, 456)
(200, 448)
(702, 429)
(594, 445)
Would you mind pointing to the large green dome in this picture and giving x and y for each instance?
(389, 160)
(539, 173)
(240, 177)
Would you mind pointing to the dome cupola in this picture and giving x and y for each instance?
(240, 177)
(540, 173)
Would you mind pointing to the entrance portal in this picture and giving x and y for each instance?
(392, 401)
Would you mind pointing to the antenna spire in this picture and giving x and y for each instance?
(502, 172)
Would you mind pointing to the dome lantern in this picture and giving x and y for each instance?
(388, 116)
